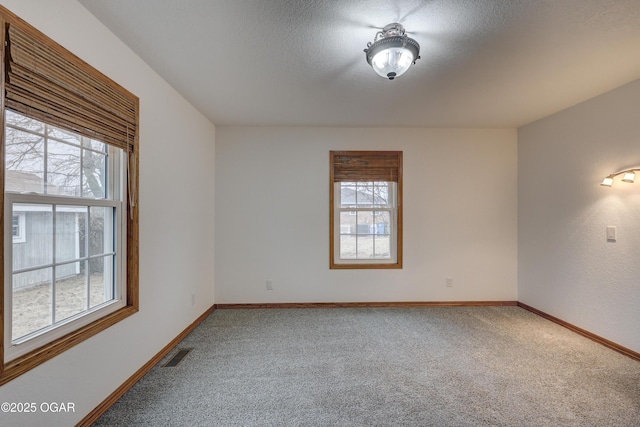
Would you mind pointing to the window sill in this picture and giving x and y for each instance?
(353, 266)
(22, 364)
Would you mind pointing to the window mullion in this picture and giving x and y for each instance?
(108, 193)
(53, 138)
(81, 168)
(59, 200)
(373, 235)
(53, 267)
(45, 167)
(87, 262)
(25, 130)
(357, 235)
(80, 259)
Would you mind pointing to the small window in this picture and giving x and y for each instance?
(366, 213)
(18, 227)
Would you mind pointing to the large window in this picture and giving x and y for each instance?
(366, 211)
(69, 198)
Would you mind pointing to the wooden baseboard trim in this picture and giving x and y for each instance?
(120, 391)
(368, 304)
(612, 345)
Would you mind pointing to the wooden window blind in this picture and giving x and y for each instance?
(46, 82)
(361, 166)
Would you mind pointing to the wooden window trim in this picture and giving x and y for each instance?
(335, 176)
(24, 363)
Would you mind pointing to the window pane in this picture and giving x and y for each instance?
(54, 132)
(70, 232)
(24, 162)
(382, 246)
(63, 169)
(365, 246)
(93, 174)
(26, 153)
(100, 230)
(37, 248)
(18, 120)
(71, 290)
(94, 145)
(347, 223)
(364, 221)
(101, 280)
(31, 302)
(364, 194)
(347, 194)
(348, 247)
(16, 225)
(382, 222)
(381, 194)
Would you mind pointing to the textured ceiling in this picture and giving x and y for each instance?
(485, 63)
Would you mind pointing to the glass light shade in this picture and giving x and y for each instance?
(629, 177)
(607, 182)
(392, 52)
(392, 62)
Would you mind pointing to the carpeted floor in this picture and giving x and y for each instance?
(462, 366)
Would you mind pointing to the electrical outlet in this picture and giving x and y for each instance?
(449, 282)
(269, 285)
(193, 299)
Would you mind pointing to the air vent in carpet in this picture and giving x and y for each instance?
(177, 358)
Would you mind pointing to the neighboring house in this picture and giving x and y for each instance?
(32, 234)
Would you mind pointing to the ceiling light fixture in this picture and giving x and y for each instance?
(629, 176)
(392, 52)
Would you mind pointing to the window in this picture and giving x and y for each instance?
(17, 227)
(74, 206)
(69, 196)
(366, 211)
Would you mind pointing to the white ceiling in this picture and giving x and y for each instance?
(485, 63)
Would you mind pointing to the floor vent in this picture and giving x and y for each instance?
(177, 358)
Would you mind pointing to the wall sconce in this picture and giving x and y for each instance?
(629, 176)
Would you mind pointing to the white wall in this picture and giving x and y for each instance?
(566, 266)
(272, 215)
(176, 225)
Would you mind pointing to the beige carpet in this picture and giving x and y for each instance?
(462, 366)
